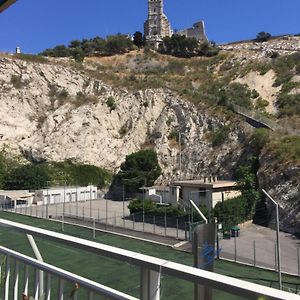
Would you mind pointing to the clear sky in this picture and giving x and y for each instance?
(35, 25)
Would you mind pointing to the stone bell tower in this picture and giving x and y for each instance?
(157, 25)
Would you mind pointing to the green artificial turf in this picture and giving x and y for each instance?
(123, 276)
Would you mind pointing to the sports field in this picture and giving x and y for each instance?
(123, 276)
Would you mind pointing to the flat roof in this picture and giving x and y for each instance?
(207, 184)
(18, 194)
(4, 4)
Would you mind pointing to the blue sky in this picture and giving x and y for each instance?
(35, 25)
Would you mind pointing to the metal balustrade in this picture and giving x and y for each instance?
(13, 261)
(151, 270)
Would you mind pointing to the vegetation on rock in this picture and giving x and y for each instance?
(16, 174)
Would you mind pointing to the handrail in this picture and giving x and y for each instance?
(83, 282)
(197, 276)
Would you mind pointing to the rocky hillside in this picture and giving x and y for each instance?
(108, 107)
(53, 112)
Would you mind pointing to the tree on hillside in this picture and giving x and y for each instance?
(118, 44)
(138, 39)
(263, 36)
(139, 169)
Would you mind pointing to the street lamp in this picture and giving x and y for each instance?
(277, 238)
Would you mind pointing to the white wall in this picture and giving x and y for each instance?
(66, 195)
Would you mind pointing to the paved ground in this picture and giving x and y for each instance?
(265, 241)
(109, 216)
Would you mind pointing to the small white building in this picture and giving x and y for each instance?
(204, 192)
(10, 199)
(208, 191)
(162, 194)
(55, 195)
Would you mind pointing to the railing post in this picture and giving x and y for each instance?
(16, 285)
(177, 226)
(150, 285)
(61, 290)
(37, 284)
(26, 279)
(153, 224)
(6, 288)
(48, 287)
(90, 295)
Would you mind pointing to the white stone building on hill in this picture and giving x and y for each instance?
(157, 25)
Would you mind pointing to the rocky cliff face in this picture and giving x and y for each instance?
(54, 112)
(283, 184)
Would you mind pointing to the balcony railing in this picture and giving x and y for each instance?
(151, 270)
(13, 261)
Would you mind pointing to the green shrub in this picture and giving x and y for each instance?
(231, 213)
(63, 94)
(285, 149)
(219, 136)
(17, 82)
(32, 58)
(288, 104)
(111, 103)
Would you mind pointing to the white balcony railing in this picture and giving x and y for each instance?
(151, 270)
(13, 260)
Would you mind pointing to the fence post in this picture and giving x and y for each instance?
(254, 254)
(153, 224)
(165, 225)
(94, 228)
(98, 215)
(115, 219)
(143, 221)
(31, 210)
(62, 222)
(235, 254)
(133, 221)
(106, 213)
(177, 229)
(298, 259)
(275, 252)
(77, 206)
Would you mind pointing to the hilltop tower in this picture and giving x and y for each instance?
(157, 25)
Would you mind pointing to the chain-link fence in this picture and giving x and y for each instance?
(109, 215)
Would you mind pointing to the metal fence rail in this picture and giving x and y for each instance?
(12, 266)
(151, 269)
(83, 211)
